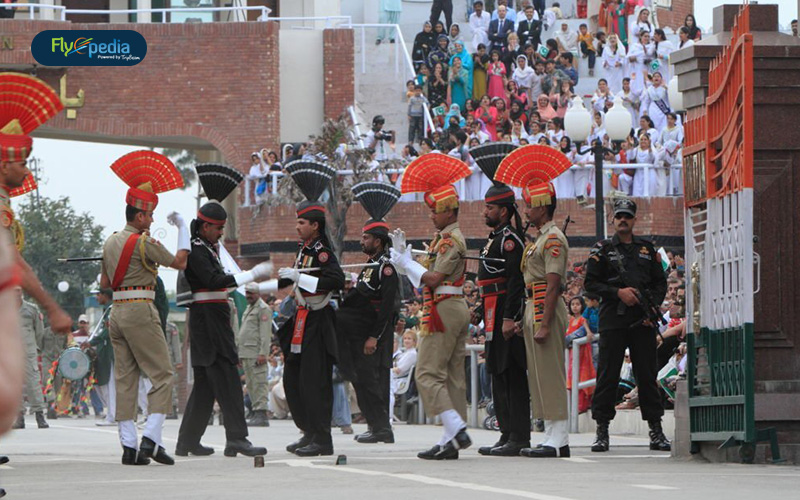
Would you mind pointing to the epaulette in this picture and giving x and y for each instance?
(386, 268)
(597, 249)
(319, 246)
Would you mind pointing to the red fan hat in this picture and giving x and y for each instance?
(434, 175)
(533, 168)
(26, 102)
(147, 173)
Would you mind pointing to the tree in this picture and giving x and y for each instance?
(54, 230)
(184, 161)
(337, 145)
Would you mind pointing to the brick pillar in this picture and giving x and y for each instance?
(339, 68)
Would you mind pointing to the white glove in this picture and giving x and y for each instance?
(262, 271)
(266, 287)
(398, 238)
(400, 257)
(176, 219)
(289, 273)
(406, 265)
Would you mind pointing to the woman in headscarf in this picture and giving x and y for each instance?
(438, 29)
(523, 75)
(455, 111)
(645, 153)
(437, 86)
(614, 63)
(545, 109)
(439, 54)
(423, 43)
(454, 36)
(640, 53)
(513, 94)
(487, 115)
(502, 122)
(639, 22)
(655, 100)
(517, 112)
(459, 83)
(565, 184)
(480, 66)
(561, 98)
(663, 48)
(466, 63)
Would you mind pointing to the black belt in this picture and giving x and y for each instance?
(492, 289)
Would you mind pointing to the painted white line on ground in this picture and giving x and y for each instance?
(579, 460)
(428, 480)
(605, 455)
(656, 487)
(114, 432)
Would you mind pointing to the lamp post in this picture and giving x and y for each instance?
(578, 124)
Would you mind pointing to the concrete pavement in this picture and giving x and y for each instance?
(76, 459)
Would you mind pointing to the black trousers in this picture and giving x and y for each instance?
(589, 53)
(642, 344)
(372, 386)
(512, 403)
(307, 381)
(219, 381)
(440, 6)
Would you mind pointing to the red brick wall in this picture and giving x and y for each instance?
(657, 216)
(675, 17)
(213, 81)
(339, 67)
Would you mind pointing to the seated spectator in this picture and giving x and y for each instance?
(440, 54)
(694, 31)
(523, 77)
(603, 98)
(551, 77)
(509, 55)
(566, 64)
(479, 25)
(545, 109)
(561, 98)
(487, 114)
(535, 132)
(518, 132)
(567, 40)
(586, 46)
(555, 130)
(477, 133)
(455, 36)
(517, 113)
(423, 43)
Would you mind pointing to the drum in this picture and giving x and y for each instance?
(73, 364)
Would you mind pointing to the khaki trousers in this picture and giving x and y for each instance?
(33, 386)
(256, 379)
(440, 372)
(140, 348)
(547, 380)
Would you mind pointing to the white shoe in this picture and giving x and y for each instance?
(105, 423)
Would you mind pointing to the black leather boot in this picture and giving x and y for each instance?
(378, 436)
(446, 452)
(244, 447)
(149, 449)
(40, 421)
(315, 450)
(20, 422)
(197, 450)
(259, 419)
(487, 450)
(601, 442)
(510, 449)
(300, 443)
(132, 457)
(658, 441)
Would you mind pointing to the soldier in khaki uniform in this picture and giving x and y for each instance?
(32, 328)
(130, 266)
(544, 269)
(440, 374)
(253, 341)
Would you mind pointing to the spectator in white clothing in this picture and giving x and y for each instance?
(479, 25)
(403, 364)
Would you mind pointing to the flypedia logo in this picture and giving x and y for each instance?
(98, 48)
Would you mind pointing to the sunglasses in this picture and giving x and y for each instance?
(623, 216)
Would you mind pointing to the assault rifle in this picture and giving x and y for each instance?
(651, 311)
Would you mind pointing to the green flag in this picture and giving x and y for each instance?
(664, 259)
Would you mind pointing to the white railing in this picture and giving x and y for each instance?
(576, 383)
(33, 6)
(354, 118)
(63, 11)
(400, 53)
(330, 21)
(274, 179)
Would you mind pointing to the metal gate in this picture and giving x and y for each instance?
(718, 162)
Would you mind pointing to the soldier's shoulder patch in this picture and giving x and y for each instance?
(509, 245)
(555, 251)
(388, 271)
(445, 245)
(319, 246)
(324, 257)
(264, 317)
(6, 217)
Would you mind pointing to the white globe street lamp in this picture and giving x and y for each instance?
(578, 121)
(63, 286)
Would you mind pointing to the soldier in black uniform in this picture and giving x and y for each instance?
(308, 339)
(212, 341)
(502, 291)
(623, 270)
(368, 313)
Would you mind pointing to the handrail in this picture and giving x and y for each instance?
(577, 385)
(33, 6)
(264, 10)
(275, 176)
(400, 48)
(354, 118)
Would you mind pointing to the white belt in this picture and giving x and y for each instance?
(449, 290)
(134, 294)
(203, 296)
(317, 302)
